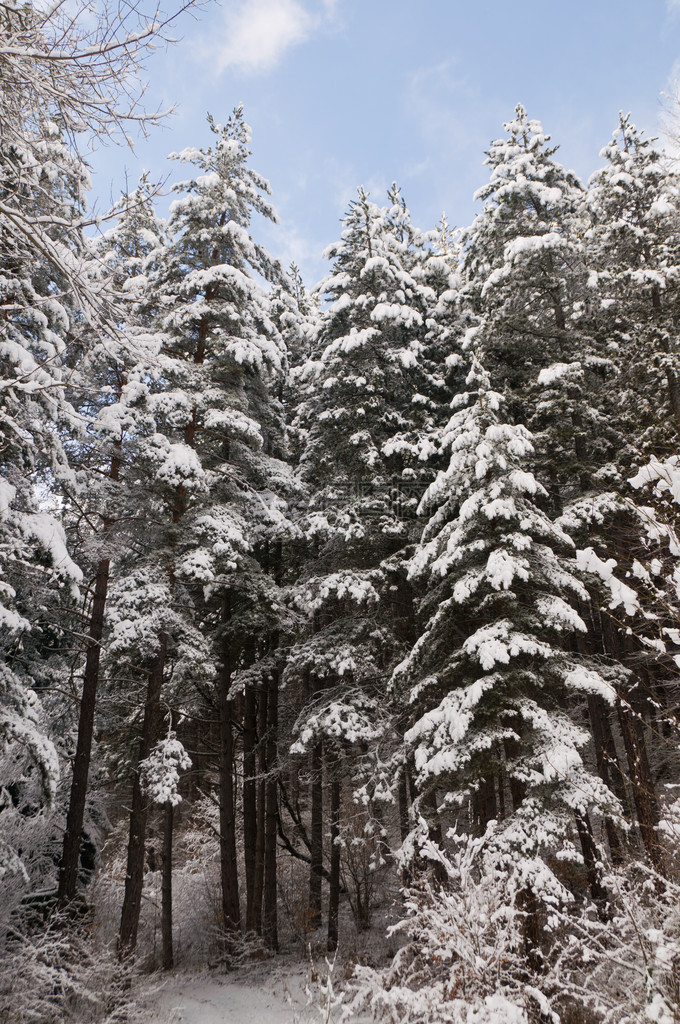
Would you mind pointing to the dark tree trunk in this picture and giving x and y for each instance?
(591, 861)
(68, 872)
(434, 824)
(674, 395)
(250, 804)
(484, 803)
(270, 923)
(608, 768)
(501, 784)
(531, 929)
(581, 450)
(434, 827)
(517, 788)
(134, 876)
(630, 708)
(293, 774)
(262, 734)
(644, 791)
(70, 858)
(316, 837)
(404, 821)
(334, 886)
(166, 889)
(231, 913)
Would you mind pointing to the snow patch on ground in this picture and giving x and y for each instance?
(279, 993)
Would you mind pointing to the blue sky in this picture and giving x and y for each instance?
(341, 93)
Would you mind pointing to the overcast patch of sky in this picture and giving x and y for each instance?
(342, 93)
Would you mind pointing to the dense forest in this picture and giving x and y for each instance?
(315, 601)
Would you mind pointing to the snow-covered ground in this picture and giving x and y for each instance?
(268, 993)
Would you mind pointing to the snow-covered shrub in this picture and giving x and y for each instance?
(321, 989)
(59, 976)
(29, 834)
(625, 970)
(463, 959)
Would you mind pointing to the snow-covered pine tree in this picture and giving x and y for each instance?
(110, 490)
(633, 256)
(64, 73)
(38, 577)
(634, 260)
(524, 273)
(368, 368)
(367, 414)
(493, 678)
(217, 444)
(296, 314)
(526, 286)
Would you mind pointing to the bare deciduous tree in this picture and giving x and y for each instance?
(74, 73)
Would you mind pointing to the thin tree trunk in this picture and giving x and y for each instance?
(581, 450)
(434, 828)
(607, 767)
(250, 803)
(166, 889)
(403, 806)
(531, 928)
(501, 784)
(517, 788)
(484, 803)
(134, 876)
(591, 861)
(68, 872)
(231, 913)
(262, 738)
(316, 837)
(334, 886)
(434, 825)
(630, 706)
(644, 792)
(70, 858)
(270, 923)
(674, 395)
(606, 756)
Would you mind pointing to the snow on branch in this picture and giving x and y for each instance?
(159, 773)
(621, 593)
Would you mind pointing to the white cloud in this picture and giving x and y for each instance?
(258, 33)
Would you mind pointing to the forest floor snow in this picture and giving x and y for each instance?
(273, 992)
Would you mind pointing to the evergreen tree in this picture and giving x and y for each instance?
(633, 255)
(215, 455)
(525, 282)
(38, 577)
(367, 414)
(631, 247)
(109, 488)
(487, 679)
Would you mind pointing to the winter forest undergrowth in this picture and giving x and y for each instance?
(345, 619)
